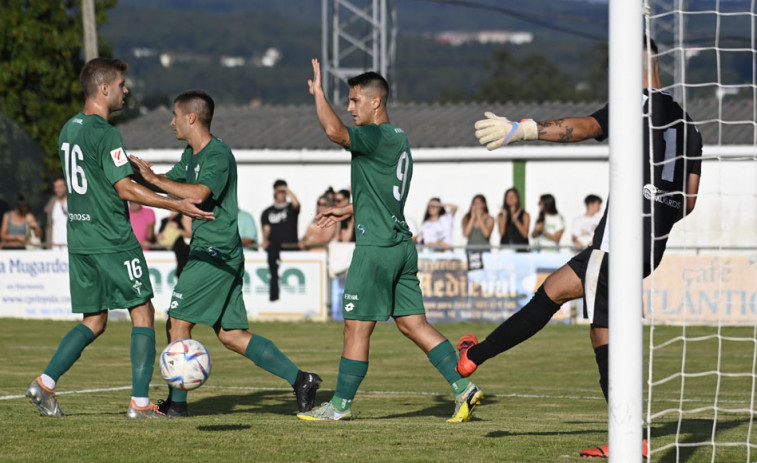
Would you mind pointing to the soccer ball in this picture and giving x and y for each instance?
(185, 364)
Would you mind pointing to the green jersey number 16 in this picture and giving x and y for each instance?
(75, 176)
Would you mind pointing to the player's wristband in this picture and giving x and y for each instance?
(530, 130)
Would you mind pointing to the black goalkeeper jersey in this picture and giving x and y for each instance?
(676, 153)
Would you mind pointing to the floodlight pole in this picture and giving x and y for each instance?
(356, 36)
(625, 298)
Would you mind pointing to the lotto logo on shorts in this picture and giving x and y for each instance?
(119, 157)
(349, 307)
(174, 304)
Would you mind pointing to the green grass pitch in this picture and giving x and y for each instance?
(543, 402)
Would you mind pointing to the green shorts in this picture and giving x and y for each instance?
(118, 280)
(382, 282)
(209, 291)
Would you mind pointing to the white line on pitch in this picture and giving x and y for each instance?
(407, 393)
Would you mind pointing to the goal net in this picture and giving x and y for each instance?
(700, 305)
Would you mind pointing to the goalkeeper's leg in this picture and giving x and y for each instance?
(560, 287)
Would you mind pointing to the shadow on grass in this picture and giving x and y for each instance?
(442, 408)
(276, 402)
(497, 434)
(691, 431)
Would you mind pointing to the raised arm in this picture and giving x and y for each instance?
(293, 199)
(495, 131)
(524, 224)
(569, 130)
(332, 125)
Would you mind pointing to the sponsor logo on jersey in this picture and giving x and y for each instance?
(119, 157)
(653, 193)
(351, 297)
(361, 228)
(400, 222)
(349, 307)
(78, 217)
(138, 286)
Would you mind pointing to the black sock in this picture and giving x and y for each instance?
(520, 326)
(601, 354)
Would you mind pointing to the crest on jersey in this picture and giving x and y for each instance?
(119, 157)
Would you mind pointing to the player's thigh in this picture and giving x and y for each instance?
(408, 298)
(369, 289)
(234, 315)
(592, 268)
(108, 281)
(205, 289)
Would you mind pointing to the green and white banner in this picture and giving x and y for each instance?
(34, 284)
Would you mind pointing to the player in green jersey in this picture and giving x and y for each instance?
(107, 266)
(382, 281)
(209, 290)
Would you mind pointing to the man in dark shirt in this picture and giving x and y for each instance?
(280, 220)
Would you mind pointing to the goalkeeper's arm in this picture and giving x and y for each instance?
(495, 131)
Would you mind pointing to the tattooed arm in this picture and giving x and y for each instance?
(568, 130)
(496, 132)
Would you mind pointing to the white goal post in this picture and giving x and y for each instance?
(625, 328)
(692, 397)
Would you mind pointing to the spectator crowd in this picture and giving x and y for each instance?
(506, 225)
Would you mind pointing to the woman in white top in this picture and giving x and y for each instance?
(549, 226)
(436, 230)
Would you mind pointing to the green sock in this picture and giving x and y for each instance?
(69, 351)
(267, 356)
(176, 395)
(142, 355)
(351, 374)
(444, 359)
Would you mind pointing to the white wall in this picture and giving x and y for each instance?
(726, 213)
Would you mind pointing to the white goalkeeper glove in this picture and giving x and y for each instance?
(495, 131)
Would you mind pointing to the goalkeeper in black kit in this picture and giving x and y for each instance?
(671, 184)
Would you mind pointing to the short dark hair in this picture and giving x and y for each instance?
(591, 199)
(279, 183)
(651, 45)
(100, 71)
(371, 80)
(198, 102)
(345, 193)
